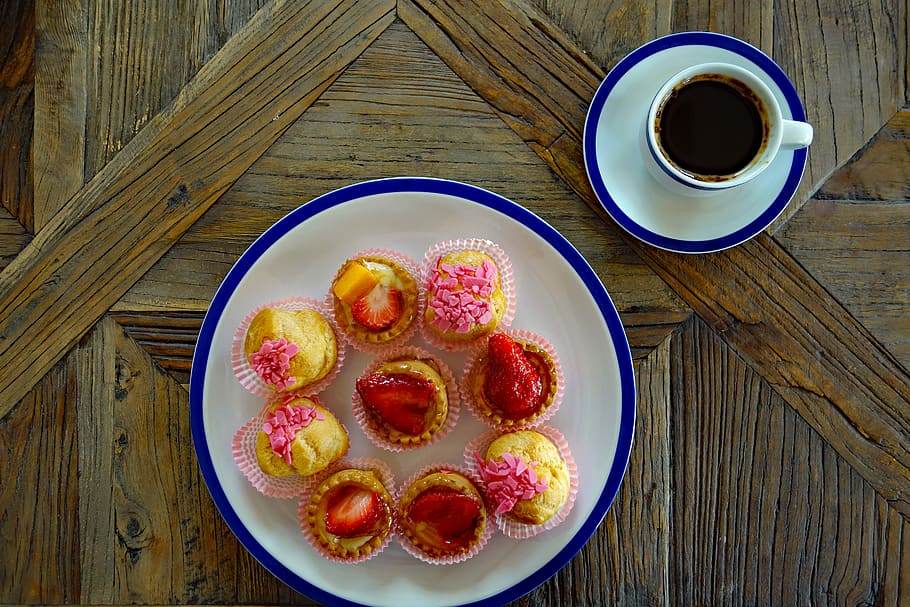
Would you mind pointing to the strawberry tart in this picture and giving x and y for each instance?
(375, 299)
(442, 516)
(349, 515)
(406, 399)
(514, 380)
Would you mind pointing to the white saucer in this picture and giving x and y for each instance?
(616, 166)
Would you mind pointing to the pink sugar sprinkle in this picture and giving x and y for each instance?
(282, 425)
(509, 480)
(273, 362)
(454, 299)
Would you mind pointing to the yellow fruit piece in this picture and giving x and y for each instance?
(355, 282)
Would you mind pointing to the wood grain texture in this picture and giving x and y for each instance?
(845, 384)
(167, 176)
(39, 526)
(771, 515)
(862, 89)
(13, 238)
(608, 30)
(151, 532)
(168, 337)
(854, 236)
(398, 110)
(17, 103)
(61, 51)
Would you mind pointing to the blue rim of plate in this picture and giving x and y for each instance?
(729, 43)
(435, 186)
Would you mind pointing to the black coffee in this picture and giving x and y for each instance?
(711, 126)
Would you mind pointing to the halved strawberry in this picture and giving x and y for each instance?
(354, 511)
(445, 518)
(513, 383)
(402, 400)
(379, 309)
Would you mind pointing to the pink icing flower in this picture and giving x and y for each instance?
(509, 480)
(460, 299)
(273, 362)
(282, 425)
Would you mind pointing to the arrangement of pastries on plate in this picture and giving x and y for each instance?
(518, 477)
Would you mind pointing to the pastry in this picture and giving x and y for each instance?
(525, 476)
(350, 514)
(513, 381)
(299, 436)
(404, 398)
(290, 349)
(465, 299)
(375, 297)
(442, 514)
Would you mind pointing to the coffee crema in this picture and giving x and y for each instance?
(711, 126)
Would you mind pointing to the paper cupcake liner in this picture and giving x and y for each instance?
(243, 449)
(507, 280)
(411, 267)
(454, 404)
(251, 380)
(507, 525)
(503, 423)
(386, 477)
(416, 552)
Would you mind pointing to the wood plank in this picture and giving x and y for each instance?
(166, 177)
(168, 337)
(13, 237)
(17, 103)
(817, 356)
(765, 512)
(863, 50)
(39, 523)
(61, 47)
(399, 105)
(608, 30)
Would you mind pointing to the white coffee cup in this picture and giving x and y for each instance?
(716, 126)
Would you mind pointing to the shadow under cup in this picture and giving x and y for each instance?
(715, 126)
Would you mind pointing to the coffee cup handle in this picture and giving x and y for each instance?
(796, 134)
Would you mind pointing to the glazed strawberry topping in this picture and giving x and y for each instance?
(445, 518)
(402, 400)
(379, 309)
(354, 511)
(513, 383)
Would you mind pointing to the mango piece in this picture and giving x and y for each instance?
(355, 282)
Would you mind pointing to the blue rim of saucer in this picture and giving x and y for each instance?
(722, 41)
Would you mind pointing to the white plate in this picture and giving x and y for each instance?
(614, 156)
(558, 296)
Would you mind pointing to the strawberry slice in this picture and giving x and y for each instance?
(354, 511)
(445, 518)
(402, 400)
(513, 384)
(379, 309)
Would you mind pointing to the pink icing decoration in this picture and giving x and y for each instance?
(461, 299)
(273, 361)
(509, 480)
(282, 425)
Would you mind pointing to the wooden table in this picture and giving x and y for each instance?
(145, 144)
